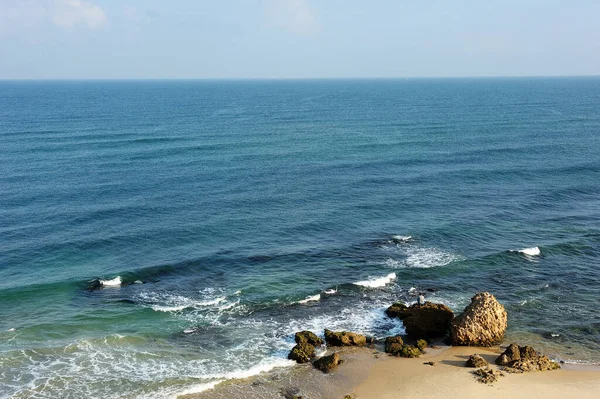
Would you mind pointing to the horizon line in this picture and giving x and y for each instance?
(296, 78)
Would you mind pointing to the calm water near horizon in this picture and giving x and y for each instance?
(235, 213)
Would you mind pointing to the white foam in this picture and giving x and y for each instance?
(311, 298)
(115, 282)
(11, 330)
(412, 291)
(399, 238)
(420, 257)
(190, 330)
(533, 251)
(377, 282)
(330, 291)
(160, 308)
(211, 302)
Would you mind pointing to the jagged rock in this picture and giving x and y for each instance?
(308, 337)
(327, 363)
(409, 351)
(476, 361)
(482, 323)
(488, 375)
(344, 338)
(521, 359)
(421, 344)
(393, 345)
(428, 321)
(302, 353)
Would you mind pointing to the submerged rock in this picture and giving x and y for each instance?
(393, 345)
(521, 359)
(344, 338)
(302, 353)
(327, 363)
(476, 361)
(308, 337)
(482, 323)
(428, 321)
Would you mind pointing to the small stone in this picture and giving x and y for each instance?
(327, 363)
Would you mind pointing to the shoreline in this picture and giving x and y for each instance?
(369, 373)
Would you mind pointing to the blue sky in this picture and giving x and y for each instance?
(297, 38)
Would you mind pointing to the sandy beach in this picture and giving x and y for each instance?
(399, 378)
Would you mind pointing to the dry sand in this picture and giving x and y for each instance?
(411, 378)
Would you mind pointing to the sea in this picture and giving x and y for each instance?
(159, 237)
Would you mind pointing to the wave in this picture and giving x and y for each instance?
(377, 282)
(311, 298)
(165, 302)
(115, 282)
(400, 239)
(533, 251)
(330, 291)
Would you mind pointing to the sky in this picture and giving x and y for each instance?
(274, 39)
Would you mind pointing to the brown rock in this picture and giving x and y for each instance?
(393, 345)
(488, 375)
(308, 337)
(344, 338)
(523, 359)
(482, 323)
(302, 353)
(423, 321)
(476, 361)
(327, 363)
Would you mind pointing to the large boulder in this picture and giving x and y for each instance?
(524, 358)
(302, 353)
(327, 363)
(308, 337)
(344, 338)
(423, 321)
(482, 323)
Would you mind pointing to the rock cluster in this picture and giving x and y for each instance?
(428, 321)
(395, 346)
(488, 375)
(304, 350)
(482, 323)
(521, 359)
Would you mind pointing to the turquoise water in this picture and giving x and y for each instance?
(237, 212)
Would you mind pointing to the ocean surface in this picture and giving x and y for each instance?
(216, 218)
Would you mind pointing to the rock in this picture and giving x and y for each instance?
(308, 337)
(519, 359)
(421, 344)
(488, 375)
(430, 363)
(302, 353)
(344, 338)
(482, 323)
(393, 345)
(476, 361)
(327, 363)
(409, 351)
(424, 321)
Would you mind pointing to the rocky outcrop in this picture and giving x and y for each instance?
(393, 345)
(521, 359)
(421, 344)
(476, 361)
(482, 323)
(302, 353)
(423, 321)
(327, 363)
(488, 375)
(308, 337)
(344, 338)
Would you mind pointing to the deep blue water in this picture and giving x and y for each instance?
(233, 201)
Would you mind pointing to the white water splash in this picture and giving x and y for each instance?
(377, 282)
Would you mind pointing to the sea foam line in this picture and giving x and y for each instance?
(310, 298)
(377, 282)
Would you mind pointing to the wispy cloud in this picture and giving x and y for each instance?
(19, 15)
(295, 16)
(69, 13)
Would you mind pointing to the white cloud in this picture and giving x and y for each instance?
(69, 13)
(295, 16)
